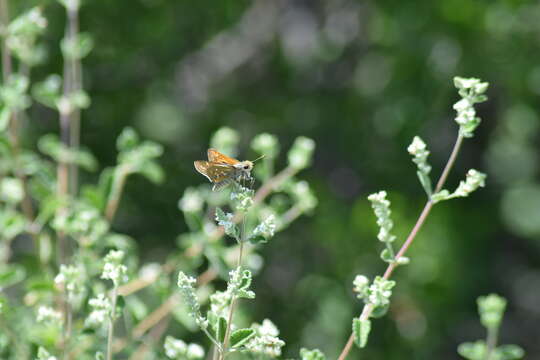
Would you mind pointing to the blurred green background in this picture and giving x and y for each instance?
(361, 78)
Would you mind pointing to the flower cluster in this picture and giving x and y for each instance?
(178, 350)
(242, 198)
(101, 310)
(48, 315)
(113, 269)
(226, 220)
(185, 283)
(471, 91)
(418, 149)
(264, 231)
(266, 144)
(381, 207)
(491, 309)
(43, 354)
(473, 180)
(239, 283)
(301, 153)
(71, 280)
(266, 340)
(377, 294)
(191, 201)
(303, 195)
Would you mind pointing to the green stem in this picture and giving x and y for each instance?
(491, 342)
(112, 318)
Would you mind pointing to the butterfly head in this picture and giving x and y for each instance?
(244, 166)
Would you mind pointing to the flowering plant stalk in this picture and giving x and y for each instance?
(377, 295)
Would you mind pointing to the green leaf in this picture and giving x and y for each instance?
(510, 352)
(11, 274)
(241, 336)
(257, 239)
(361, 329)
(387, 256)
(440, 196)
(425, 181)
(473, 351)
(153, 172)
(47, 92)
(127, 139)
(221, 329)
(78, 47)
(380, 311)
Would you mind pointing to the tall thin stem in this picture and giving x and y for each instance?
(112, 318)
(491, 341)
(368, 309)
(72, 76)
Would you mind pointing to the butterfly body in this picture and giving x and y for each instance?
(222, 170)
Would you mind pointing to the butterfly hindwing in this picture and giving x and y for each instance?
(218, 172)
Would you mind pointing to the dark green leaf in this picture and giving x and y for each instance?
(241, 336)
(221, 329)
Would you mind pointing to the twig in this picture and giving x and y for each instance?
(156, 316)
(367, 310)
(154, 336)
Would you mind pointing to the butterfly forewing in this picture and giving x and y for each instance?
(217, 157)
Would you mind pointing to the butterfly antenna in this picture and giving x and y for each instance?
(259, 158)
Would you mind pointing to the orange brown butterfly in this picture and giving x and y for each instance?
(222, 170)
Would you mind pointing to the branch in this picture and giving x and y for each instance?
(367, 310)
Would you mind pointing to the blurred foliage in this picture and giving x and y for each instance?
(361, 79)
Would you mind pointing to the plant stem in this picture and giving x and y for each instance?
(66, 334)
(112, 318)
(119, 180)
(72, 78)
(491, 342)
(368, 308)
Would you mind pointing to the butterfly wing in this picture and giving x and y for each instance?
(217, 157)
(218, 172)
(215, 172)
(202, 167)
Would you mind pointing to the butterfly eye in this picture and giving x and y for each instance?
(246, 167)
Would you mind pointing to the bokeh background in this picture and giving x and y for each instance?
(361, 78)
